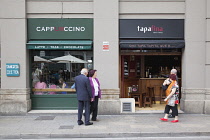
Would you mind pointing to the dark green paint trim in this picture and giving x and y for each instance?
(62, 45)
(54, 102)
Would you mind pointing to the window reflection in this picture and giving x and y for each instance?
(57, 77)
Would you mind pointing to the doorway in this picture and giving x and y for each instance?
(147, 69)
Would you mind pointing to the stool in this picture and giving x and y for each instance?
(162, 95)
(152, 93)
(137, 100)
(147, 99)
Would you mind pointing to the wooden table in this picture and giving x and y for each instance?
(55, 90)
(140, 96)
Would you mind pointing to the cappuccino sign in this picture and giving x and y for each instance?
(60, 28)
(65, 29)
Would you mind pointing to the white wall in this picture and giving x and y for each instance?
(195, 46)
(13, 42)
(106, 28)
(194, 58)
(59, 9)
(208, 46)
(150, 9)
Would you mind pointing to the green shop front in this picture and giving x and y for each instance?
(58, 50)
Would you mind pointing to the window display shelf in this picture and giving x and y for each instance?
(55, 90)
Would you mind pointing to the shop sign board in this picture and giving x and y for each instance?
(152, 28)
(13, 69)
(65, 28)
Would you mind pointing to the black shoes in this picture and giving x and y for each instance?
(89, 123)
(80, 122)
(171, 116)
(93, 119)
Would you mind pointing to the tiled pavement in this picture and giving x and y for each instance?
(37, 126)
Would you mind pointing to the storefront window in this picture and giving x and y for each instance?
(57, 76)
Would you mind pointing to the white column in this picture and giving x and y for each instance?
(106, 29)
(106, 13)
(207, 103)
(13, 50)
(193, 63)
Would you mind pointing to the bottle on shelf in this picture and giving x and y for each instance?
(150, 75)
(126, 68)
(146, 74)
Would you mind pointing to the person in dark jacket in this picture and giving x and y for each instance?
(84, 96)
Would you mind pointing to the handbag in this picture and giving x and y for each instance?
(171, 101)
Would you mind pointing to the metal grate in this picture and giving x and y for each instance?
(45, 118)
(126, 107)
(66, 127)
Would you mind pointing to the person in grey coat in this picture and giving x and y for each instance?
(84, 96)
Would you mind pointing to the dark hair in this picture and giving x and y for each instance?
(91, 73)
(62, 81)
(172, 76)
(41, 78)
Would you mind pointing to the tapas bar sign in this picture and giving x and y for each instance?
(152, 28)
(13, 69)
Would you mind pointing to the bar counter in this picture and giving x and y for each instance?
(152, 82)
(152, 78)
(144, 83)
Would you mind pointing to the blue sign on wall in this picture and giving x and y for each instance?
(13, 69)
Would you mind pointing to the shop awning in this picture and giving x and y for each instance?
(151, 44)
(60, 45)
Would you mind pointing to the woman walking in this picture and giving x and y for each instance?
(172, 99)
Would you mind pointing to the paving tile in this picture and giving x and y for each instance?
(65, 126)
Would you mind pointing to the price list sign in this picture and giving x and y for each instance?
(13, 69)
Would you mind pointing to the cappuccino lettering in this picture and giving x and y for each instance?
(65, 29)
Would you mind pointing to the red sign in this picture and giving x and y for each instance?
(105, 46)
